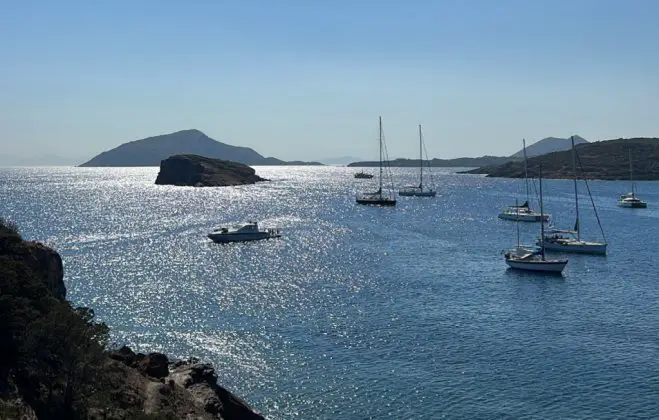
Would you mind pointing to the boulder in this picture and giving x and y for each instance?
(154, 365)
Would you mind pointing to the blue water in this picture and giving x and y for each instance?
(360, 312)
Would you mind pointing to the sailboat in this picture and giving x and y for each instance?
(523, 213)
(522, 259)
(414, 190)
(566, 240)
(630, 200)
(378, 198)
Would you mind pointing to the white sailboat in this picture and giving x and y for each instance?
(521, 258)
(418, 190)
(630, 200)
(523, 213)
(566, 240)
(378, 198)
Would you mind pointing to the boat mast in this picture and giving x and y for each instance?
(517, 222)
(420, 157)
(526, 171)
(631, 176)
(576, 194)
(542, 223)
(380, 190)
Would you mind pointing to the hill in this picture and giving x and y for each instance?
(152, 150)
(599, 160)
(548, 145)
(447, 163)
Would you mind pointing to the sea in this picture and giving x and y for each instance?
(361, 312)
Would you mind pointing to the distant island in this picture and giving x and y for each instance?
(447, 163)
(606, 160)
(200, 171)
(548, 145)
(152, 150)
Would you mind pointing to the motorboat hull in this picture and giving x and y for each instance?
(376, 202)
(574, 246)
(546, 266)
(521, 217)
(223, 238)
(404, 193)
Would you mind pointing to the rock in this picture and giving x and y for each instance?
(154, 365)
(45, 263)
(200, 380)
(124, 355)
(199, 171)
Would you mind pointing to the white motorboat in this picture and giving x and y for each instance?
(242, 233)
(569, 240)
(630, 200)
(524, 213)
(521, 258)
(418, 190)
(379, 198)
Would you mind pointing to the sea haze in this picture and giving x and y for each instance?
(361, 312)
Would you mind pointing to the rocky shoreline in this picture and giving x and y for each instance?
(55, 362)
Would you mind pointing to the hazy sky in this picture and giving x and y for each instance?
(307, 79)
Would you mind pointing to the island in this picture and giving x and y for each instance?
(151, 150)
(606, 160)
(56, 363)
(200, 171)
(465, 162)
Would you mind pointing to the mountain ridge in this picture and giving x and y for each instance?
(150, 151)
(548, 145)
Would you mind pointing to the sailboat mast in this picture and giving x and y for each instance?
(421, 157)
(526, 171)
(576, 194)
(380, 124)
(631, 172)
(517, 222)
(542, 223)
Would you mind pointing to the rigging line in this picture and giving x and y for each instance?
(432, 181)
(599, 223)
(388, 165)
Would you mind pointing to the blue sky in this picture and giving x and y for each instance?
(303, 79)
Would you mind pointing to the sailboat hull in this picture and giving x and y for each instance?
(633, 204)
(522, 217)
(549, 266)
(404, 193)
(376, 201)
(574, 246)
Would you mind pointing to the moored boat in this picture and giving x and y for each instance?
(243, 233)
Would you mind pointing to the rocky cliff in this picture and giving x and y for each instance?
(55, 362)
(199, 171)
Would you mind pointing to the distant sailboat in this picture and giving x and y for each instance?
(523, 213)
(378, 198)
(414, 190)
(566, 240)
(523, 259)
(630, 200)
